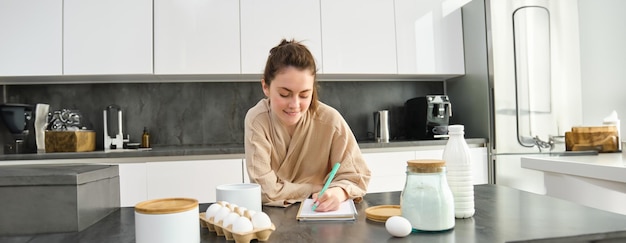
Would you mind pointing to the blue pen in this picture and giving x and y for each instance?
(330, 178)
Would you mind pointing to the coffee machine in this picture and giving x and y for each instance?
(427, 117)
(17, 118)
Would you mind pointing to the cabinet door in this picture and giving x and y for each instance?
(358, 36)
(107, 37)
(31, 37)
(265, 23)
(196, 37)
(388, 170)
(193, 179)
(429, 38)
(133, 188)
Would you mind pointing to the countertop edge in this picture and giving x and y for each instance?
(609, 167)
(184, 152)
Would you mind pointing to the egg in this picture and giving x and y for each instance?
(250, 213)
(221, 214)
(260, 220)
(212, 210)
(230, 218)
(398, 226)
(232, 206)
(242, 225)
(241, 210)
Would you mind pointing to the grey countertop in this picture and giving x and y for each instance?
(502, 215)
(187, 150)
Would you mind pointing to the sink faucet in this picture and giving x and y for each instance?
(552, 140)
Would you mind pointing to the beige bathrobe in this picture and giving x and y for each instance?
(289, 169)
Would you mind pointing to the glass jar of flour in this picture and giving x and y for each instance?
(426, 199)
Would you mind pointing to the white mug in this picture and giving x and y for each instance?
(247, 195)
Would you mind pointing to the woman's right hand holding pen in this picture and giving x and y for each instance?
(331, 199)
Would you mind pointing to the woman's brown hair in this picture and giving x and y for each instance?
(291, 54)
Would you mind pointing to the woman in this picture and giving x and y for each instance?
(292, 140)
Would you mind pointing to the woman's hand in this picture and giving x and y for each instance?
(330, 200)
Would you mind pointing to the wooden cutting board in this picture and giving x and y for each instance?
(604, 139)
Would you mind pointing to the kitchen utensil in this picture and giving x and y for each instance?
(167, 220)
(113, 132)
(16, 118)
(381, 126)
(246, 195)
(601, 138)
(427, 117)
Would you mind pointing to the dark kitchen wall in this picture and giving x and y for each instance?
(211, 113)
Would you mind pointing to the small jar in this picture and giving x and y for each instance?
(426, 199)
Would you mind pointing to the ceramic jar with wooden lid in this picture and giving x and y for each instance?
(167, 220)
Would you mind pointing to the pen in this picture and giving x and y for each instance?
(330, 178)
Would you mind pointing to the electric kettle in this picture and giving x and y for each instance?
(381, 126)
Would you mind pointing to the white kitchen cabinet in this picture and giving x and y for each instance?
(265, 23)
(429, 38)
(133, 184)
(31, 42)
(388, 170)
(195, 179)
(358, 37)
(197, 37)
(165, 179)
(107, 37)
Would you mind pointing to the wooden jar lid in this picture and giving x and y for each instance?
(166, 205)
(426, 163)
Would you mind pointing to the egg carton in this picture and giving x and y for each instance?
(260, 234)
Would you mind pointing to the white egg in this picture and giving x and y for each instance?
(232, 216)
(212, 210)
(241, 210)
(251, 213)
(221, 214)
(242, 225)
(260, 220)
(398, 226)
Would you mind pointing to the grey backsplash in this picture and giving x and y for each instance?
(212, 113)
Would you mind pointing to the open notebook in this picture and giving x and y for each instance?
(347, 211)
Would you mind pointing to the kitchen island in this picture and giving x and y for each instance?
(502, 215)
(597, 181)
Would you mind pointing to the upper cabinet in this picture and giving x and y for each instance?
(265, 23)
(31, 41)
(358, 37)
(196, 37)
(403, 39)
(429, 37)
(107, 37)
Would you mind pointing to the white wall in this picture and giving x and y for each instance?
(603, 59)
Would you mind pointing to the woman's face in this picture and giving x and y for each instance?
(290, 94)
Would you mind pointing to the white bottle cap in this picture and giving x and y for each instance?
(456, 128)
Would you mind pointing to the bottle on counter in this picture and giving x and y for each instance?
(145, 138)
(426, 200)
(456, 153)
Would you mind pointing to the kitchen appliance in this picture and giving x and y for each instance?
(534, 76)
(381, 126)
(427, 117)
(113, 132)
(16, 118)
